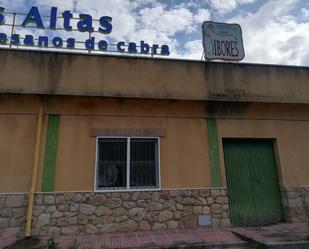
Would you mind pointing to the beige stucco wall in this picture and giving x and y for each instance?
(184, 149)
(184, 159)
(183, 152)
(17, 139)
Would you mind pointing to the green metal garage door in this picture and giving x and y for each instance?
(252, 181)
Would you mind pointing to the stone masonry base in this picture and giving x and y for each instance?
(72, 213)
(295, 202)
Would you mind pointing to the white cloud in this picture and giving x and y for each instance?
(194, 49)
(159, 25)
(202, 15)
(13, 5)
(305, 12)
(271, 35)
(154, 23)
(224, 6)
(139, 3)
(60, 4)
(121, 11)
(166, 21)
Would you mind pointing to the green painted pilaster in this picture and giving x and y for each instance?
(50, 158)
(214, 152)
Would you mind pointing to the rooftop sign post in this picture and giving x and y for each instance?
(222, 41)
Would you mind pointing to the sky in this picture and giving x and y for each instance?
(274, 31)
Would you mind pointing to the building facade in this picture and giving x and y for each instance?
(116, 144)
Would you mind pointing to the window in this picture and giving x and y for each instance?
(127, 163)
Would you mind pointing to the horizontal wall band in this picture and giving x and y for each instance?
(162, 116)
(163, 189)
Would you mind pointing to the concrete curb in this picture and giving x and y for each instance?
(274, 245)
(238, 245)
(288, 245)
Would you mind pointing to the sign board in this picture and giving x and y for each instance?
(57, 22)
(222, 41)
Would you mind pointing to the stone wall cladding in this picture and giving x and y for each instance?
(13, 209)
(295, 202)
(71, 213)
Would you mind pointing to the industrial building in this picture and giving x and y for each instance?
(99, 143)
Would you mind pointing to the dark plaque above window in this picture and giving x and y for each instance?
(97, 132)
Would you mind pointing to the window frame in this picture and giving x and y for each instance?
(127, 188)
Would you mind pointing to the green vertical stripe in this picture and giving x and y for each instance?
(50, 153)
(214, 152)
